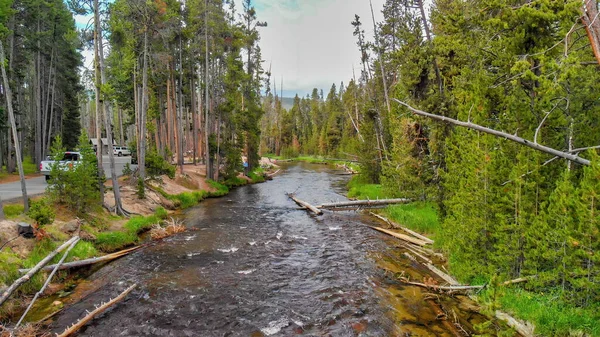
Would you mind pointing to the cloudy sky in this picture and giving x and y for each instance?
(309, 43)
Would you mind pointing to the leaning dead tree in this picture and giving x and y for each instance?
(566, 155)
(592, 25)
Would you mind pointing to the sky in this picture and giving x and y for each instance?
(307, 43)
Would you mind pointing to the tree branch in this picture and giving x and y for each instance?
(516, 139)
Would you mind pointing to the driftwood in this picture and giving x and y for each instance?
(566, 155)
(305, 204)
(62, 259)
(97, 311)
(442, 275)
(412, 249)
(401, 236)
(395, 225)
(365, 203)
(441, 288)
(524, 328)
(274, 173)
(6, 294)
(86, 262)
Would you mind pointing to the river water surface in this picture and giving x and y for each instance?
(253, 264)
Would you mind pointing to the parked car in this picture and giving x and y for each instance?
(121, 151)
(70, 159)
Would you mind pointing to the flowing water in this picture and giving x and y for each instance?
(253, 264)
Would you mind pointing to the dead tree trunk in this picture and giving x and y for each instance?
(305, 204)
(98, 83)
(592, 25)
(533, 145)
(13, 126)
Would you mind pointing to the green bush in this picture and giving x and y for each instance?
(78, 186)
(12, 211)
(41, 212)
(156, 165)
(127, 170)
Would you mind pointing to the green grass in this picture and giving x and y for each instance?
(359, 189)
(12, 211)
(419, 216)
(235, 182)
(138, 224)
(221, 189)
(82, 250)
(113, 241)
(189, 199)
(161, 213)
(257, 176)
(29, 167)
(550, 315)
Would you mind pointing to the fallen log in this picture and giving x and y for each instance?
(35, 297)
(274, 173)
(365, 203)
(526, 329)
(401, 236)
(69, 331)
(442, 275)
(85, 262)
(395, 225)
(6, 294)
(442, 288)
(305, 204)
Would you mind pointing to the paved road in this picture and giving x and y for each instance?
(38, 185)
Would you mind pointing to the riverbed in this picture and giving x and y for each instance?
(253, 264)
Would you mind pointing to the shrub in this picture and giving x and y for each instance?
(127, 170)
(141, 189)
(41, 212)
(157, 165)
(77, 187)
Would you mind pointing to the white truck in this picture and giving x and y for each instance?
(70, 159)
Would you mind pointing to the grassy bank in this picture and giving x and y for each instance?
(551, 315)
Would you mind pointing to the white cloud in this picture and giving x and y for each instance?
(310, 42)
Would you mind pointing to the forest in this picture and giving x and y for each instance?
(486, 110)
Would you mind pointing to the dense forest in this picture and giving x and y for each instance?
(526, 68)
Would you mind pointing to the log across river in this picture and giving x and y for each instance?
(252, 264)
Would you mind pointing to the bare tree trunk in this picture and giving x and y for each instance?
(380, 54)
(120, 116)
(438, 76)
(592, 25)
(98, 83)
(46, 148)
(38, 102)
(45, 131)
(142, 135)
(206, 125)
(194, 120)
(180, 110)
(13, 125)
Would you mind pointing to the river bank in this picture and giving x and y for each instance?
(101, 233)
(549, 315)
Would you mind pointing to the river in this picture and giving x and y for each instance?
(253, 264)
